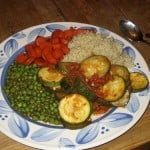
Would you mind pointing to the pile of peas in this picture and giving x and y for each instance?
(28, 96)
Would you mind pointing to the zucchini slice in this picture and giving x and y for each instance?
(121, 71)
(75, 111)
(138, 81)
(123, 101)
(113, 89)
(50, 77)
(97, 64)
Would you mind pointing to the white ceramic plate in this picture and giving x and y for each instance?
(105, 129)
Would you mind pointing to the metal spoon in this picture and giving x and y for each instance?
(132, 31)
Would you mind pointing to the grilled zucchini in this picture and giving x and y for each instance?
(97, 64)
(113, 89)
(50, 77)
(138, 81)
(121, 71)
(75, 111)
(123, 101)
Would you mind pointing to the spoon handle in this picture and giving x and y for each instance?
(146, 42)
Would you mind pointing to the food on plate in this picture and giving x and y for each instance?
(113, 89)
(138, 81)
(89, 43)
(121, 71)
(48, 51)
(97, 64)
(75, 111)
(68, 78)
(50, 77)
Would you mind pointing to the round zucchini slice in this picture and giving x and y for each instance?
(75, 111)
(138, 81)
(113, 89)
(121, 71)
(50, 77)
(123, 101)
(97, 64)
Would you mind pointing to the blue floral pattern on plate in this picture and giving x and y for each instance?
(102, 130)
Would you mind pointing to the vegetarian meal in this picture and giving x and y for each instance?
(71, 76)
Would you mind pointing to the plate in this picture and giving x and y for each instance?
(103, 130)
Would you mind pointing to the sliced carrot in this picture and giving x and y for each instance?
(40, 40)
(51, 60)
(65, 48)
(21, 58)
(29, 60)
(57, 46)
(46, 44)
(58, 33)
(55, 40)
(48, 51)
(57, 54)
(64, 41)
(69, 33)
(30, 51)
(38, 51)
(45, 52)
(41, 62)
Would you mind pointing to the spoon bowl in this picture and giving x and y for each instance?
(131, 31)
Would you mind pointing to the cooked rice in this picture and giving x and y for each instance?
(87, 44)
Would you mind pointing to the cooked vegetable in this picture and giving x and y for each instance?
(123, 101)
(50, 77)
(28, 96)
(113, 89)
(97, 64)
(84, 90)
(48, 51)
(75, 111)
(138, 81)
(121, 71)
(68, 68)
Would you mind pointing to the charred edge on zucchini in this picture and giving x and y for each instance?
(50, 77)
(75, 111)
(139, 81)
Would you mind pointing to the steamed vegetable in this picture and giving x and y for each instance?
(48, 51)
(28, 97)
(97, 64)
(138, 81)
(113, 89)
(121, 71)
(75, 111)
(50, 77)
(123, 101)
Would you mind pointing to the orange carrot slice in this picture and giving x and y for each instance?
(21, 58)
(57, 54)
(40, 40)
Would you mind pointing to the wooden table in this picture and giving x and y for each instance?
(16, 15)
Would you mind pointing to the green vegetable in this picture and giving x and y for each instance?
(97, 64)
(121, 71)
(138, 81)
(113, 89)
(75, 111)
(28, 96)
(50, 77)
(84, 90)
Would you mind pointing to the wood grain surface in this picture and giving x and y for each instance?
(16, 15)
